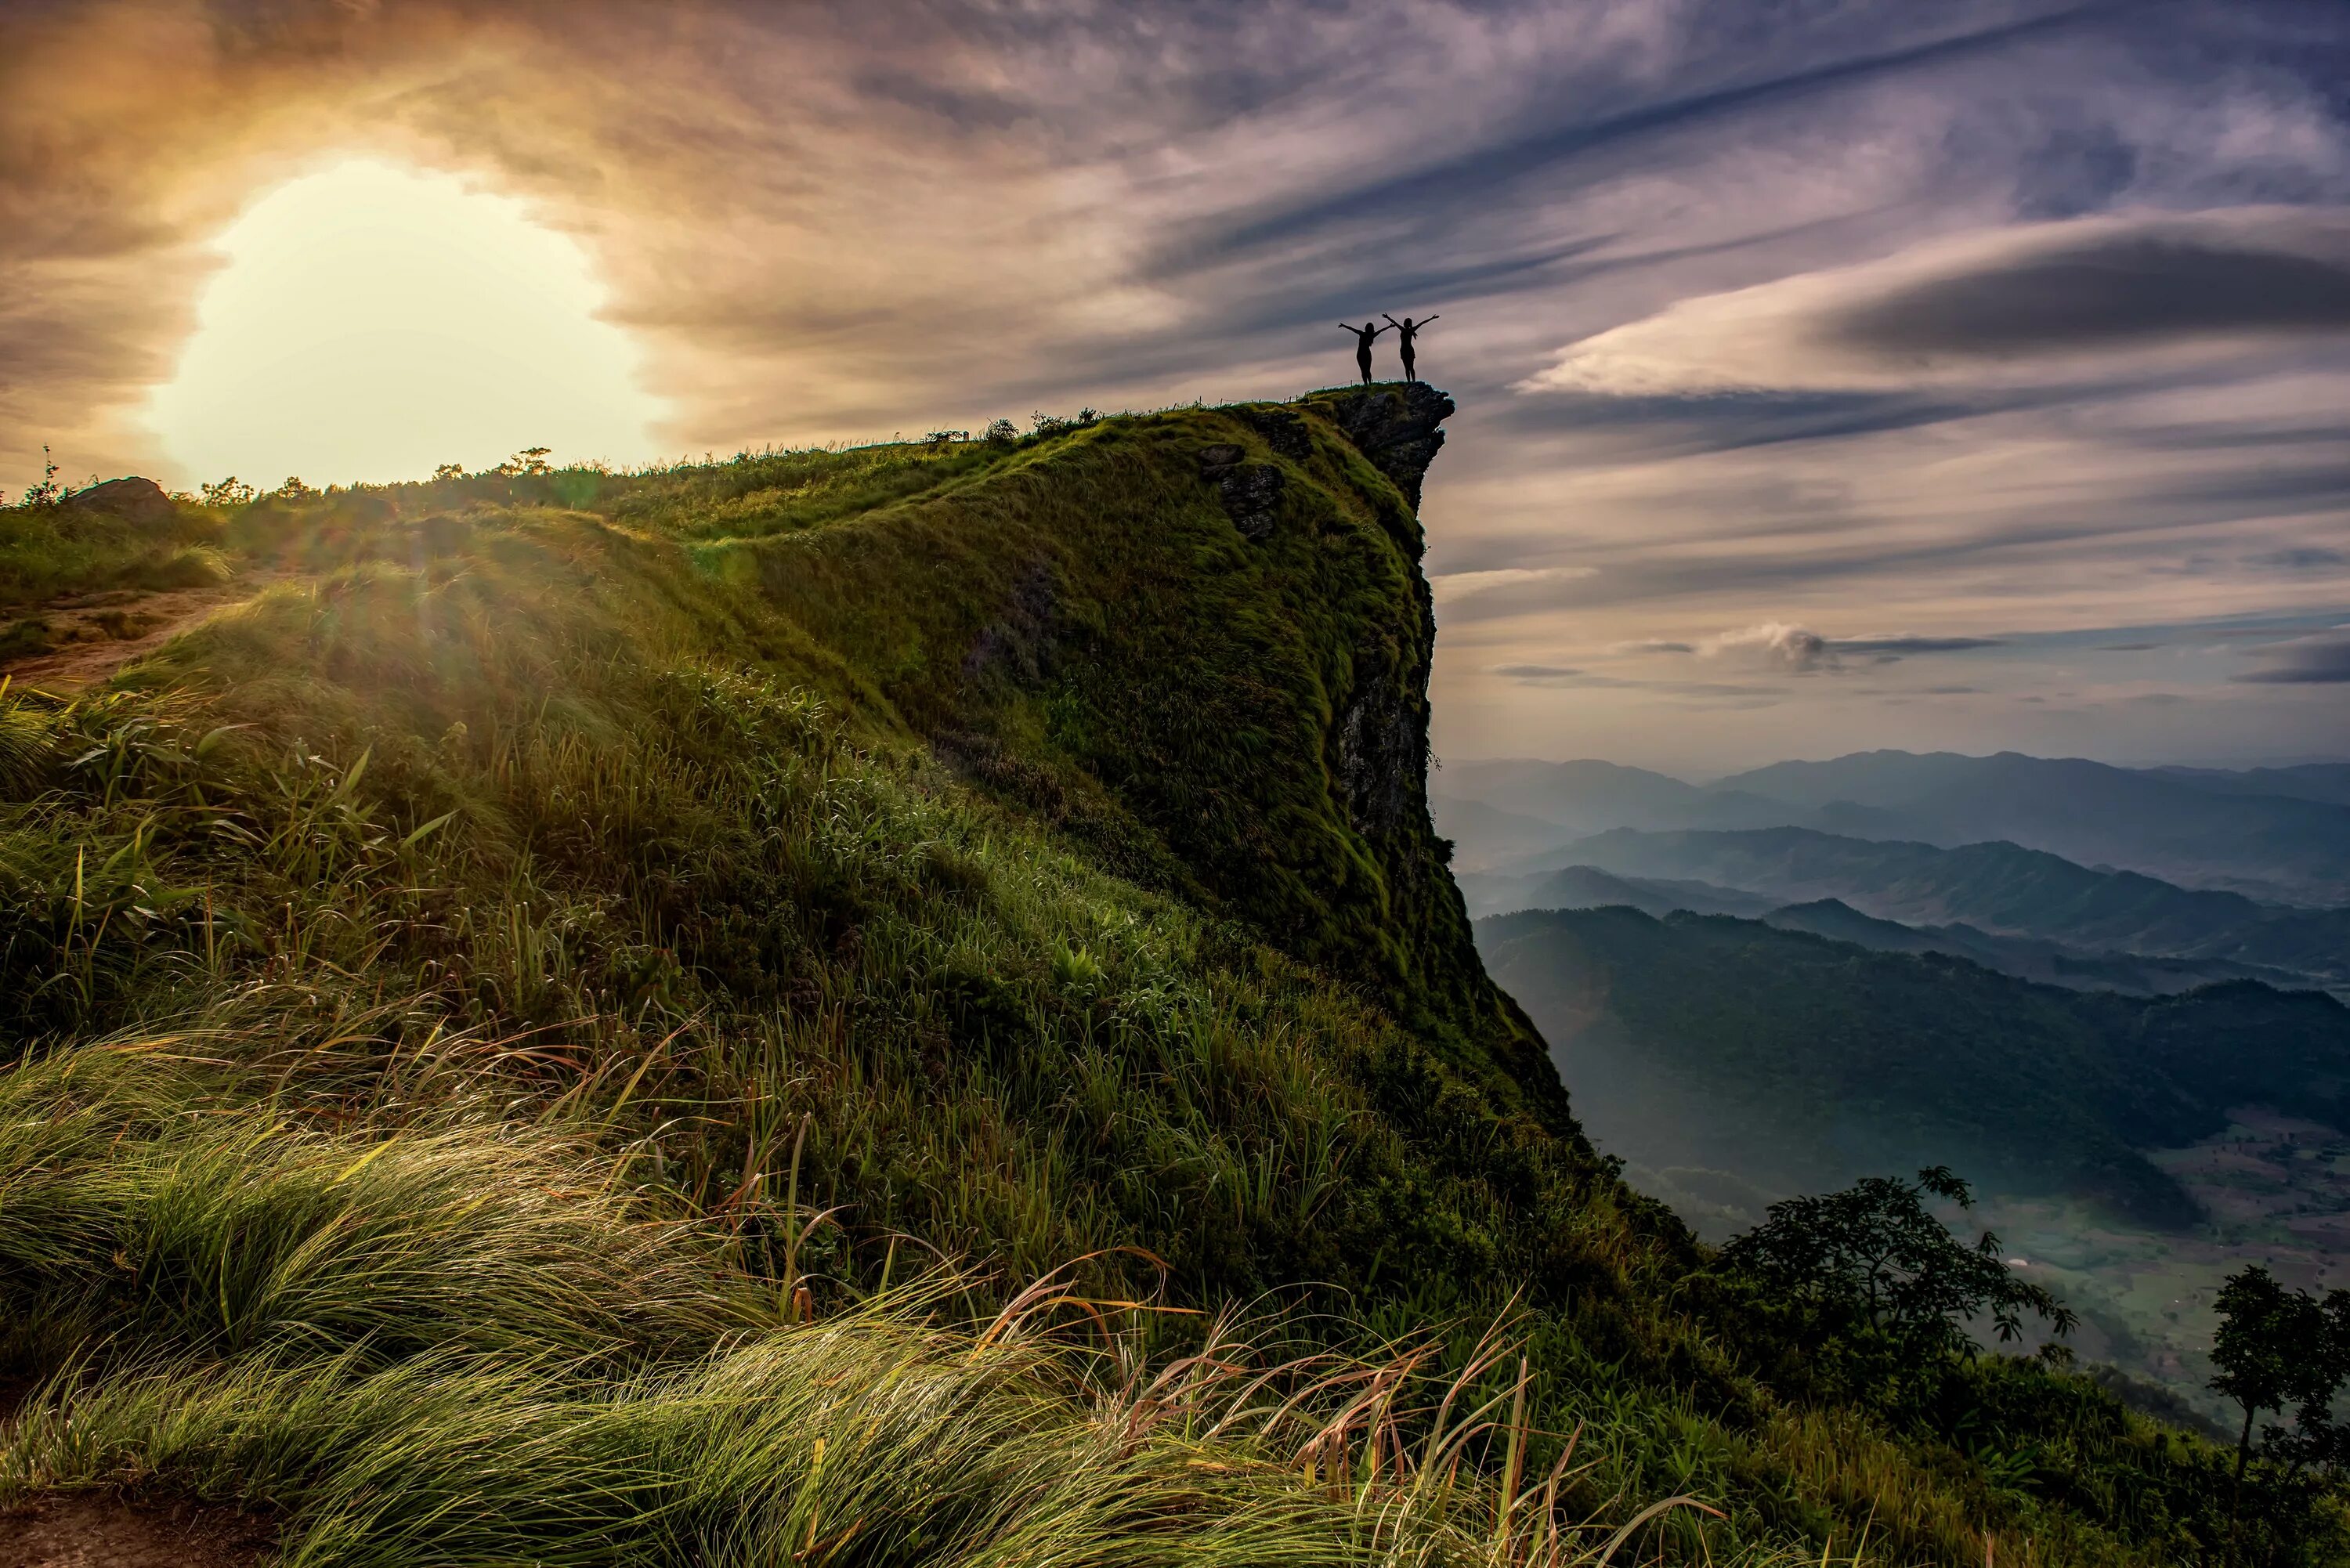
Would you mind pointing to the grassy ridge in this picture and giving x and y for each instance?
(839, 856)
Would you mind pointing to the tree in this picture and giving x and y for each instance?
(2278, 1346)
(1875, 1262)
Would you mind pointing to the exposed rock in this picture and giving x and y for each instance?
(1217, 460)
(1282, 431)
(132, 499)
(1378, 761)
(1251, 493)
(1395, 425)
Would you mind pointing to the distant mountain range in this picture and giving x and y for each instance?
(2035, 959)
(2027, 958)
(1974, 895)
(2277, 834)
(1791, 1061)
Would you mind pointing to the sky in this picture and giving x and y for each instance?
(1831, 375)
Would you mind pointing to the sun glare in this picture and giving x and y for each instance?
(373, 322)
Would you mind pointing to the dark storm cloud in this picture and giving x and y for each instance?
(2107, 290)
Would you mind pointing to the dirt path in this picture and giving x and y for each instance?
(104, 1529)
(89, 636)
(101, 1530)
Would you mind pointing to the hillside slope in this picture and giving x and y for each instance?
(499, 1019)
(1730, 1035)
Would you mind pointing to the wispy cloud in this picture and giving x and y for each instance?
(2023, 315)
(2015, 306)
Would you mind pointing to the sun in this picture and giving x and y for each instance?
(372, 322)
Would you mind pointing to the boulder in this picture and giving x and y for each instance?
(132, 499)
(1252, 496)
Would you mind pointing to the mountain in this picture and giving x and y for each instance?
(771, 1007)
(2000, 889)
(1797, 1061)
(2327, 782)
(2025, 957)
(1486, 835)
(2266, 844)
(1589, 888)
(2277, 834)
(1593, 795)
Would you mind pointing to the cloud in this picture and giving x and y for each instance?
(2021, 304)
(1775, 645)
(1452, 586)
(2310, 661)
(1535, 671)
(2300, 558)
(2102, 285)
(1907, 644)
(1651, 645)
(1799, 650)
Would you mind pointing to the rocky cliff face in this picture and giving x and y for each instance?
(1382, 737)
(1199, 641)
(1398, 425)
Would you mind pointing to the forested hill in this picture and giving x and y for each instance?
(1811, 1061)
(563, 1019)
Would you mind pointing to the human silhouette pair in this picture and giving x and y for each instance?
(1368, 332)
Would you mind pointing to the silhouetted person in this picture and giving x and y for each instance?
(1364, 336)
(1406, 330)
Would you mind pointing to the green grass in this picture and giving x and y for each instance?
(459, 1343)
(51, 551)
(474, 1005)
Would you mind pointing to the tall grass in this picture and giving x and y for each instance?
(464, 1345)
(498, 1023)
(48, 550)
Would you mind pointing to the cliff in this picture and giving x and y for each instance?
(1202, 643)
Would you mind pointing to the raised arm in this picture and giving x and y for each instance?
(1426, 320)
(1392, 321)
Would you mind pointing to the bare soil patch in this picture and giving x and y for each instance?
(72, 643)
(101, 1530)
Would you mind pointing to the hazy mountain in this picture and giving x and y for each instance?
(2193, 833)
(1591, 795)
(2000, 889)
(2277, 833)
(1589, 888)
(2328, 782)
(2026, 957)
(1792, 1061)
(1483, 834)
